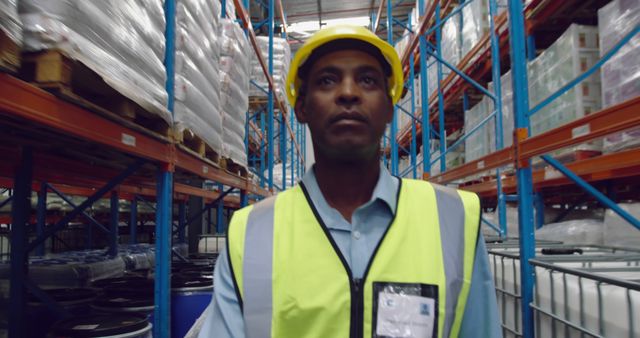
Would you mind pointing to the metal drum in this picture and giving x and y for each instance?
(73, 301)
(121, 325)
(190, 296)
(126, 295)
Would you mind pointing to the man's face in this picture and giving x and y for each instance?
(346, 105)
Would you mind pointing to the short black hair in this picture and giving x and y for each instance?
(343, 44)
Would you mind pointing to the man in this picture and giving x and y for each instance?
(352, 251)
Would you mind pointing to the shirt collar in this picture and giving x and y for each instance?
(386, 188)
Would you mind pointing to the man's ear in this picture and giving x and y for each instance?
(301, 113)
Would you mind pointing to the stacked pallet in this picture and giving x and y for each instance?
(234, 78)
(572, 54)
(281, 60)
(481, 142)
(475, 22)
(198, 119)
(77, 44)
(621, 74)
(10, 36)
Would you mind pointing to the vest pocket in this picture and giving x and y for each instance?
(404, 310)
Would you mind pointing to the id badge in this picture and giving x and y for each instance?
(405, 310)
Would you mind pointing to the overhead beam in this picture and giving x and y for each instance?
(377, 22)
(320, 14)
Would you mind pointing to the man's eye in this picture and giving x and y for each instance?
(368, 80)
(325, 80)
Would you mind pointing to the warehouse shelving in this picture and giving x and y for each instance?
(290, 133)
(512, 39)
(57, 146)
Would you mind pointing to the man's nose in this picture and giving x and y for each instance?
(349, 92)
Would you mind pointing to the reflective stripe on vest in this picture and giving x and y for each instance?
(294, 282)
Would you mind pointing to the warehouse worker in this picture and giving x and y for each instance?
(352, 251)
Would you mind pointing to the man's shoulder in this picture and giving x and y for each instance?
(269, 200)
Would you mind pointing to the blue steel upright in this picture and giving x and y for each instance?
(133, 221)
(523, 170)
(441, 121)
(270, 114)
(41, 216)
(424, 94)
(20, 212)
(497, 90)
(162, 287)
(394, 122)
(414, 146)
(113, 224)
(220, 228)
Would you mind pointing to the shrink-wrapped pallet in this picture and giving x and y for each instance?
(123, 42)
(479, 143)
(197, 83)
(10, 21)
(281, 60)
(617, 231)
(234, 85)
(571, 55)
(621, 74)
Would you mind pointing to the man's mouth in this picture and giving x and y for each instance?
(348, 118)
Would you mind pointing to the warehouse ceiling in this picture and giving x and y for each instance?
(305, 16)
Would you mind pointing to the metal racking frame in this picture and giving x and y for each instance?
(484, 59)
(152, 164)
(290, 134)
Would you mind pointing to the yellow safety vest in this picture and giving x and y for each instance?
(292, 281)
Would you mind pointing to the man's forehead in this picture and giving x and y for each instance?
(347, 59)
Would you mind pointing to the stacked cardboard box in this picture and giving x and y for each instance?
(571, 55)
(621, 74)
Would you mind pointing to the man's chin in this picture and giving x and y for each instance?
(351, 153)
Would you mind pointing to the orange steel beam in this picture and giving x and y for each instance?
(246, 20)
(423, 25)
(494, 160)
(377, 22)
(196, 166)
(26, 101)
(617, 118)
(282, 17)
(609, 166)
(127, 192)
(614, 119)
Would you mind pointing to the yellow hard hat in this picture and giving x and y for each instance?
(337, 32)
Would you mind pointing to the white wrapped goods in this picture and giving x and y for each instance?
(621, 74)
(197, 85)
(123, 42)
(234, 89)
(10, 21)
(571, 55)
(617, 231)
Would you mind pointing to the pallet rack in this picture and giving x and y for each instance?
(275, 110)
(513, 40)
(59, 147)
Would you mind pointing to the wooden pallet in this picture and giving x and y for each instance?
(257, 101)
(9, 54)
(189, 140)
(234, 168)
(73, 81)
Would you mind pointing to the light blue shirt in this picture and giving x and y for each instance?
(357, 241)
